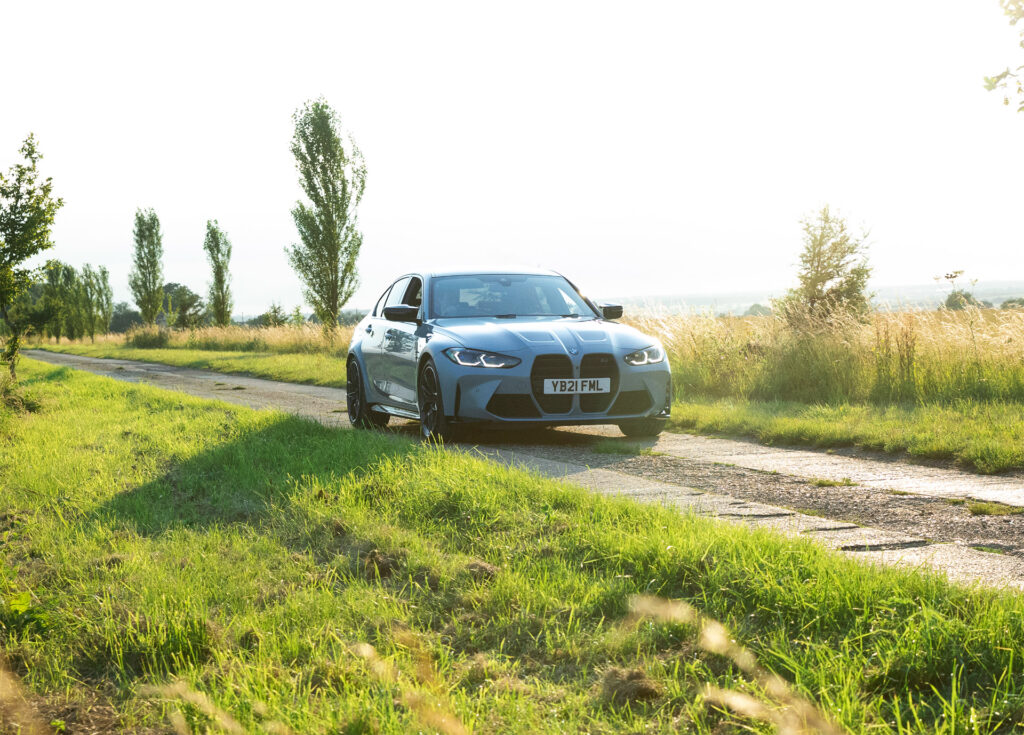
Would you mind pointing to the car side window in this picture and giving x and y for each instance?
(379, 308)
(397, 292)
(414, 294)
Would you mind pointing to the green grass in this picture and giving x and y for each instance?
(993, 509)
(151, 538)
(825, 482)
(987, 437)
(309, 368)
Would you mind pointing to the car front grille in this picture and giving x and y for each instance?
(599, 365)
(550, 366)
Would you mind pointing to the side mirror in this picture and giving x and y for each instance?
(402, 313)
(611, 311)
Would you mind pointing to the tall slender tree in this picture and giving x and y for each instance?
(333, 176)
(58, 291)
(218, 252)
(27, 211)
(104, 299)
(147, 275)
(88, 300)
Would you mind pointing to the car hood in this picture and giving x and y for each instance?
(544, 335)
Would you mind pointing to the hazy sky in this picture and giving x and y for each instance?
(640, 147)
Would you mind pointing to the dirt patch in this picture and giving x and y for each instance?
(380, 565)
(624, 686)
(481, 570)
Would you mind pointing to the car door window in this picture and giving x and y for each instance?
(397, 293)
(414, 293)
(378, 310)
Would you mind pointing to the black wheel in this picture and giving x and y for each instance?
(359, 412)
(433, 423)
(642, 427)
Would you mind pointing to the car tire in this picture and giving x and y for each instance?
(359, 412)
(638, 428)
(434, 425)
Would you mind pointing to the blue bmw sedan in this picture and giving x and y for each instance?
(510, 348)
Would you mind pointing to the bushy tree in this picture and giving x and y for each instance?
(333, 176)
(275, 316)
(1012, 304)
(182, 306)
(960, 299)
(1011, 79)
(124, 317)
(218, 253)
(147, 274)
(27, 211)
(834, 271)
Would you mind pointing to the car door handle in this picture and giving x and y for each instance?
(369, 329)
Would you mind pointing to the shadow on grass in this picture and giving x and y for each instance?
(240, 481)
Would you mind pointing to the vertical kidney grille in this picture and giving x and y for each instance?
(551, 366)
(599, 366)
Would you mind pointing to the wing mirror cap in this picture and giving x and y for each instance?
(611, 311)
(402, 313)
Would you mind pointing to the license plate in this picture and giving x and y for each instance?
(577, 385)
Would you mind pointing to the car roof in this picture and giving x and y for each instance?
(502, 271)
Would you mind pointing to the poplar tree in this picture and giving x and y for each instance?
(333, 176)
(147, 275)
(218, 252)
(27, 211)
(58, 291)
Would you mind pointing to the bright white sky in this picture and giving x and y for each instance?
(641, 147)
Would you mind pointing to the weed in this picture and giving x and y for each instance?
(993, 509)
(826, 482)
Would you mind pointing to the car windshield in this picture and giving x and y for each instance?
(505, 296)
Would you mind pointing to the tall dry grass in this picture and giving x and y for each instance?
(891, 357)
(308, 338)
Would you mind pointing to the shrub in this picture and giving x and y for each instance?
(148, 337)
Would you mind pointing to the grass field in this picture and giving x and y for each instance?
(169, 560)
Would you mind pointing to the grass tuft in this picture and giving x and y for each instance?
(993, 509)
(826, 482)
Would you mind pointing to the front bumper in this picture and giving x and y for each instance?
(515, 395)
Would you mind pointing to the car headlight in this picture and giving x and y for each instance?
(646, 356)
(478, 358)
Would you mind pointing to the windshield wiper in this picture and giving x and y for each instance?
(569, 316)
